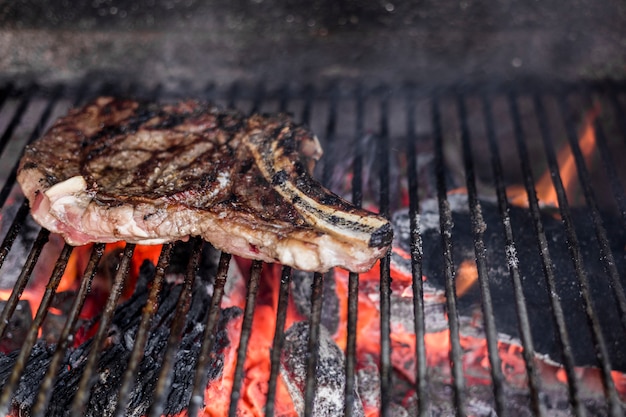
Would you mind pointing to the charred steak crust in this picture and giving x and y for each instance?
(149, 173)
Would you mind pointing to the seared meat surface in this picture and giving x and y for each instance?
(150, 173)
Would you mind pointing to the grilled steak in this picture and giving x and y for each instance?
(150, 173)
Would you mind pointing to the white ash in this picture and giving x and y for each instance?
(330, 393)
(511, 255)
(428, 217)
(368, 378)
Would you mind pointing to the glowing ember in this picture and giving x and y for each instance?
(253, 394)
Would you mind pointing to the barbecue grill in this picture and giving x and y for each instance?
(471, 133)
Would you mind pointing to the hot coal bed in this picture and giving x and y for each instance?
(502, 295)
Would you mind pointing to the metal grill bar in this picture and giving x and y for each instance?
(618, 109)
(574, 248)
(27, 346)
(609, 166)
(445, 224)
(200, 379)
(17, 117)
(246, 329)
(385, 264)
(5, 91)
(178, 323)
(285, 281)
(331, 126)
(353, 278)
(87, 379)
(14, 230)
(478, 229)
(590, 198)
(22, 280)
(279, 338)
(257, 97)
(317, 296)
(513, 262)
(45, 391)
(417, 253)
(546, 261)
(141, 337)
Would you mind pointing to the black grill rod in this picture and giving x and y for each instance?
(445, 224)
(44, 393)
(45, 390)
(618, 109)
(478, 229)
(41, 123)
(258, 98)
(417, 252)
(89, 376)
(246, 331)
(233, 94)
(528, 353)
(283, 298)
(353, 278)
(5, 91)
(14, 230)
(22, 280)
(253, 287)
(12, 384)
(310, 388)
(308, 93)
(141, 335)
(284, 94)
(573, 247)
(385, 267)
(329, 144)
(200, 377)
(607, 161)
(546, 261)
(177, 326)
(590, 197)
(279, 339)
(20, 217)
(26, 97)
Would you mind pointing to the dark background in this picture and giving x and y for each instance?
(175, 41)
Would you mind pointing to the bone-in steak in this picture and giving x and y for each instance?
(150, 173)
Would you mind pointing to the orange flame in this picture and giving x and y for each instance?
(466, 277)
(546, 193)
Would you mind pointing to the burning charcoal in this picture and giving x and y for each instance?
(368, 385)
(329, 397)
(113, 360)
(533, 280)
(301, 287)
(56, 317)
(17, 329)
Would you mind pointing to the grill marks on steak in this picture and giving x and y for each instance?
(150, 173)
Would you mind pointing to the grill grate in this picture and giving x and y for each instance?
(405, 122)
